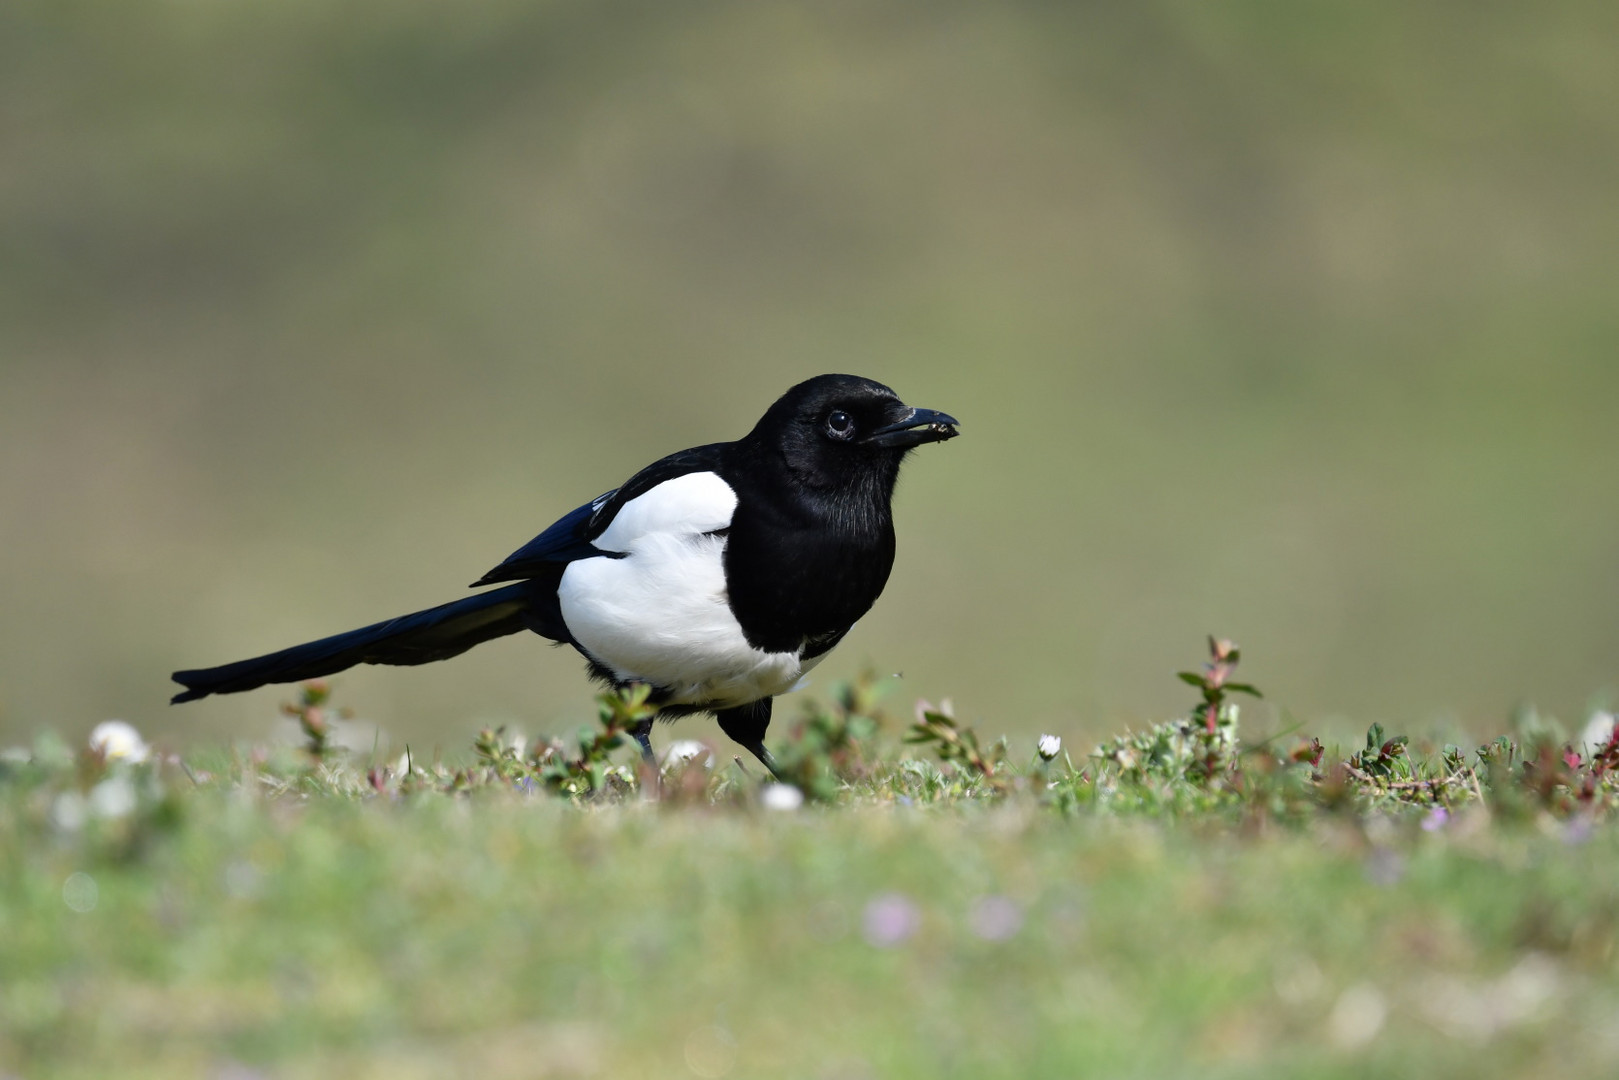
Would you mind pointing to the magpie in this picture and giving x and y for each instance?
(718, 576)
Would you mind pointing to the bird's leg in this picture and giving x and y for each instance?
(765, 757)
(643, 735)
(746, 725)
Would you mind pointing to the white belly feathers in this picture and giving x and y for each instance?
(660, 614)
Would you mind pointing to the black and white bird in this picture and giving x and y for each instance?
(718, 576)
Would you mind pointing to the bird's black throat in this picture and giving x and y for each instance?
(805, 562)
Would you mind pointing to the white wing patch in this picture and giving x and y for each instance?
(661, 613)
(688, 505)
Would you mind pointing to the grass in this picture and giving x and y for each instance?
(1177, 903)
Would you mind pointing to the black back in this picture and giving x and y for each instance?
(811, 543)
(569, 538)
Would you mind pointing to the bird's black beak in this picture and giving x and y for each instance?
(916, 427)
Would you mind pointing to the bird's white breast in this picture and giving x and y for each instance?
(661, 614)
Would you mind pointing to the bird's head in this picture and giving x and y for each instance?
(841, 430)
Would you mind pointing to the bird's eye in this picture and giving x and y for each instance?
(839, 425)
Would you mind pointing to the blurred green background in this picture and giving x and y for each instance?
(1295, 323)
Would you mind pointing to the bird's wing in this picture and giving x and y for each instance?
(563, 542)
(697, 503)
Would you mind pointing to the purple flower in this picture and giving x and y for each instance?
(995, 918)
(890, 919)
(1436, 819)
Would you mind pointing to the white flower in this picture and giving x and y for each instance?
(114, 797)
(118, 741)
(1357, 1016)
(1598, 731)
(781, 797)
(1050, 747)
(79, 892)
(683, 750)
(68, 811)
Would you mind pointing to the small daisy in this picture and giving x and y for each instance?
(781, 797)
(118, 741)
(681, 751)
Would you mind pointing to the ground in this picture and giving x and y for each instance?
(1176, 903)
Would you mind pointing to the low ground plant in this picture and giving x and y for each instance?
(907, 898)
(849, 751)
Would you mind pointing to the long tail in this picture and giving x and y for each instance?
(435, 634)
